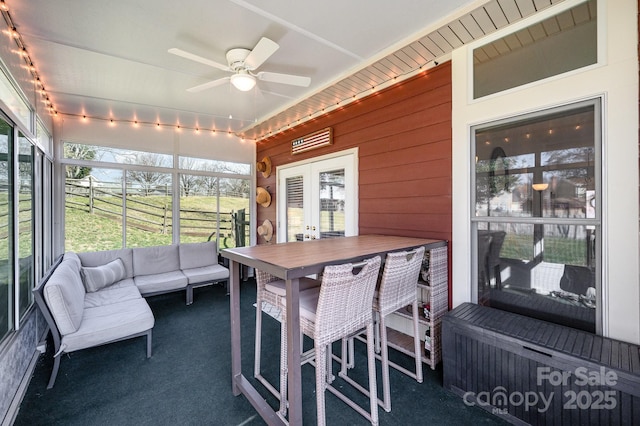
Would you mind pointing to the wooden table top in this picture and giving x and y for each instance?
(300, 258)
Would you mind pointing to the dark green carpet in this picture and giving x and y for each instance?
(187, 381)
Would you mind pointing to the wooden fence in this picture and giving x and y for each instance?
(153, 213)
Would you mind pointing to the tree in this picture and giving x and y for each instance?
(147, 180)
(188, 183)
(209, 185)
(78, 151)
(234, 187)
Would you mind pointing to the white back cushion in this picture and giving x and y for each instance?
(64, 294)
(197, 255)
(74, 257)
(155, 260)
(98, 258)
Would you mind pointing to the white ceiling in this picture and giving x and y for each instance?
(109, 59)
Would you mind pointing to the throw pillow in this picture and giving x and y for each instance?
(99, 277)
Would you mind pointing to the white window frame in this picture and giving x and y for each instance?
(615, 80)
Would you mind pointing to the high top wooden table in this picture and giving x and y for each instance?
(291, 261)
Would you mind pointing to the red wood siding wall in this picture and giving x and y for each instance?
(404, 139)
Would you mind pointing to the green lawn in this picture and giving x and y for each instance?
(149, 221)
(567, 251)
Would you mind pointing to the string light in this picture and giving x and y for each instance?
(157, 124)
(421, 70)
(22, 51)
(12, 31)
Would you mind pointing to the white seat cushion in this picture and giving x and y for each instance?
(104, 324)
(127, 282)
(111, 295)
(206, 273)
(166, 281)
(279, 286)
(308, 302)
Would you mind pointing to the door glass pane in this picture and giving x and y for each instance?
(148, 208)
(332, 199)
(295, 208)
(25, 223)
(93, 209)
(6, 231)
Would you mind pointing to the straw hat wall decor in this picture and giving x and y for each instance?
(266, 230)
(263, 197)
(264, 166)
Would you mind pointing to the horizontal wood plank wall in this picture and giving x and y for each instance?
(404, 139)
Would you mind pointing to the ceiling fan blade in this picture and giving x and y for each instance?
(263, 50)
(193, 57)
(294, 80)
(208, 85)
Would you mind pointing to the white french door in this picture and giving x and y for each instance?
(318, 199)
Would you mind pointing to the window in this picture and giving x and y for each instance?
(213, 207)
(131, 199)
(14, 99)
(536, 223)
(93, 209)
(79, 151)
(47, 213)
(557, 45)
(148, 208)
(207, 165)
(6, 229)
(25, 192)
(234, 212)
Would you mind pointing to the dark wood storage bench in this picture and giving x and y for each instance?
(530, 371)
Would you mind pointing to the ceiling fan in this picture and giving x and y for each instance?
(242, 63)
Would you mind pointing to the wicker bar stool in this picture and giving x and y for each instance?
(270, 289)
(341, 308)
(397, 289)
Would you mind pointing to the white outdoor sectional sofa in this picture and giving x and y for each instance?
(94, 298)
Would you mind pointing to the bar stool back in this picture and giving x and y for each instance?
(342, 308)
(398, 289)
(269, 289)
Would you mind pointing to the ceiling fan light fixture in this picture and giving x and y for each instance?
(243, 81)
